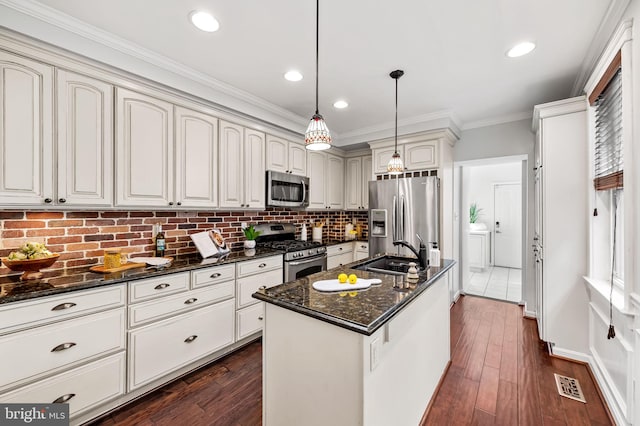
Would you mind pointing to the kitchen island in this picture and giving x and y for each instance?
(369, 357)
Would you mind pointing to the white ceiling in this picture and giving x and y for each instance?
(452, 52)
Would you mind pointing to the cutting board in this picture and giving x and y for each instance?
(129, 265)
(335, 285)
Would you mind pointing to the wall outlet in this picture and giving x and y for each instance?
(375, 353)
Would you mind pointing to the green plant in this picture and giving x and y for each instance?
(474, 212)
(250, 232)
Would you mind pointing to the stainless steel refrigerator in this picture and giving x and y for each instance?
(401, 208)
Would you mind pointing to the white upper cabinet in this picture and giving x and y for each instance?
(358, 175)
(421, 155)
(326, 181)
(144, 150)
(242, 167)
(85, 140)
(196, 161)
(381, 157)
(285, 156)
(26, 128)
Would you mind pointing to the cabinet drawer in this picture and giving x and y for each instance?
(362, 246)
(85, 387)
(259, 265)
(339, 260)
(154, 309)
(339, 249)
(18, 316)
(49, 348)
(163, 347)
(151, 288)
(249, 285)
(208, 276)
(249, 320)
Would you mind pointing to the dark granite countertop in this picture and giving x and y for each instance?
(336, 242)
(12, 289)
(362, 311)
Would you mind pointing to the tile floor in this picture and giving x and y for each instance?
(496, 282)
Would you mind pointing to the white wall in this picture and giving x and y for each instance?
(502, 140)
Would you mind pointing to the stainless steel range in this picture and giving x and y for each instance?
(301, 258)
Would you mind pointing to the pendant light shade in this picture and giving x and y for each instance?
(317, 137)
(395, 166)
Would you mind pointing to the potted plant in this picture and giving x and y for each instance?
(474, 214)
(250, 234)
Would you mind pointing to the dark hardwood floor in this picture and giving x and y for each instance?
(500, 374)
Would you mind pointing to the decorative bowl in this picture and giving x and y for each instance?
(30, 267)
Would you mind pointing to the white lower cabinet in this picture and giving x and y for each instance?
(160, 348)
(249, 320)
(339, 255)
(83, 388)
(52, 348)
(361, 250)
(248, 285)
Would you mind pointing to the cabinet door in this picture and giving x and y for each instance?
(366, 177)
(85, 140)
(254, 171)
(144, 150)
(335, 180)
(421, 155)
(196, 174)
(297, 159)
(353, 184)
(381, 158)
(277, 154)
(316, 168)
(231, 165)
(26, 123)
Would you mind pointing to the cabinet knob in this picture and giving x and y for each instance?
(262, 287)
(62, 200)
(340, 249)
(260, 317)
(191, 338)
(190, 301)
(161, 286)
(48, 200)
(179, 203)
(262, 265)
(64, 398)
(63, 346)
(216, 275)
(170, 203)
(62, 306)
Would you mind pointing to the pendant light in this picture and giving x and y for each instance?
(395, 166)
(317, 136)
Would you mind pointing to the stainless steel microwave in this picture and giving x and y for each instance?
(287, 190)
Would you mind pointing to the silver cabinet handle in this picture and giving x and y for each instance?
(191, 338)
(260, 317)
(190, 301)
(64, 398)
(216, 275)
(162, 286)
(63, 346)
(63, 306)
(262, 265)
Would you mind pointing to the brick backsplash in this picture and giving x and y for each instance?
(81, 236)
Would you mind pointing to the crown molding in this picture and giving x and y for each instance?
(411, 125)
(611, 19)
(266, 110)
(508, 118)
(561, 107)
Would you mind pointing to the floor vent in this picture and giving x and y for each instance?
(569, 388)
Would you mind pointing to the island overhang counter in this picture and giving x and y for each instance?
(369, 357)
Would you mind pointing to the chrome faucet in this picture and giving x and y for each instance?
(421, 254)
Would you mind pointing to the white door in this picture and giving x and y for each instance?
(231, 165)
(297, 159)
(144, 146)
(26, 123)
(254, 171)
(335, 182)
(317, 186)
(507, 225)
(196, 159)
(353, 184)
(85, 140)
(277, 154)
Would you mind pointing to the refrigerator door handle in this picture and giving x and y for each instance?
(394, 223)
(403, 217)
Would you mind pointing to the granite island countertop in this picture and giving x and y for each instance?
(59, 281)
(362, 311)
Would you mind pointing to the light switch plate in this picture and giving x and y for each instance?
(375, 353)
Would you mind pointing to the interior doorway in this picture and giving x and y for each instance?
(492, 227)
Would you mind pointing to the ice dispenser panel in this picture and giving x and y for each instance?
(378, 223)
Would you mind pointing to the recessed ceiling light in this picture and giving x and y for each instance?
(204, 21)
(293, 75)
(521, 49)
(340, 104)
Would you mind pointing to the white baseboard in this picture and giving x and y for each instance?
(456, 296)
(576, 356)
(527, 313)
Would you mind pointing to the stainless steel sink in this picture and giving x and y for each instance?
(394, 265)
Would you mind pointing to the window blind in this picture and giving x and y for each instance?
(608, 159)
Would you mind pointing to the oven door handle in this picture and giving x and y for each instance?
(308, 260)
